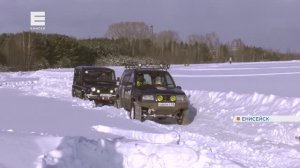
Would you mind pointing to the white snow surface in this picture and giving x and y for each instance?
(42, 126)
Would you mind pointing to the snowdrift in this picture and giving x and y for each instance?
(49, 128)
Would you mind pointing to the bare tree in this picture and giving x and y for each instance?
(236, 46)
(132, 31)
(196, 38)
(212, 40)
(129, 30)
(167, 37)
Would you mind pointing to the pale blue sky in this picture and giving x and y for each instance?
(266, 23)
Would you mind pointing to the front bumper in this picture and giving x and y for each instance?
(102, 97)
(161, 109)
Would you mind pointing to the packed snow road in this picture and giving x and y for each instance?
(39, 116)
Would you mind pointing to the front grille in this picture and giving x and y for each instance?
(103, 89)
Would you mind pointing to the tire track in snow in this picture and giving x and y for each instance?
(163, 138)
(8, 84)
(213, 128)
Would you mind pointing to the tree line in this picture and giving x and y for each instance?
(30, 50)
(123, 42)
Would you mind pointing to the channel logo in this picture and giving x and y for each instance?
(38, 20)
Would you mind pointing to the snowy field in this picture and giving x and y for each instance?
(42, 126)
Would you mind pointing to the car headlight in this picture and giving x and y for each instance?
(172, 98)
(159, 98)
(111, 91)
(98, 91)
(93, 89)
(147, 97)
(181, 98)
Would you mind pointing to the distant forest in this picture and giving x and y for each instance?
(125, 42)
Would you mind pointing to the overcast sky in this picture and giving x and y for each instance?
(267, 23)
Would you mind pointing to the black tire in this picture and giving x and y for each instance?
(83, 96)
(182, 117)
(117, 104)
(97, 103)
(136, 112)
(132, 112)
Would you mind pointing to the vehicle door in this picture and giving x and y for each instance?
(127, 89)
(120, 90)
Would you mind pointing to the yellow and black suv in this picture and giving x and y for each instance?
(94, 83)
(150, 91)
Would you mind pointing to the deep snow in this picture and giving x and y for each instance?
(43, 126)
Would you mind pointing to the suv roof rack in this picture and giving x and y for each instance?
(164, 67)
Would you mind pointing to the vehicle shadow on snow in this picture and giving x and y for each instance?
(170, 121)
(78, 152)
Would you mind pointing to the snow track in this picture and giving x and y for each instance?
(212, 139)
(165, 138)
(213, 129)
(17, 84)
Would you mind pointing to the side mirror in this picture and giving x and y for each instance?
(179, 87)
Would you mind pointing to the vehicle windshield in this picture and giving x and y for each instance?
(155, 79)
(99, 76)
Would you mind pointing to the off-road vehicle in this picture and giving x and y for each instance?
(150, 91)
(94, 83)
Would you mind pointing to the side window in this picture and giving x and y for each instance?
(148, 79)
(113, 76)
(131, 78)
(76, 76)
(128, 77)
(170, 82)
(122, 78)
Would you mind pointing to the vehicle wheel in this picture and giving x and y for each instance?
(97, 103)
(83, 96)
(182, 117)
(117, 104)
(136, 112)
(132, 112)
